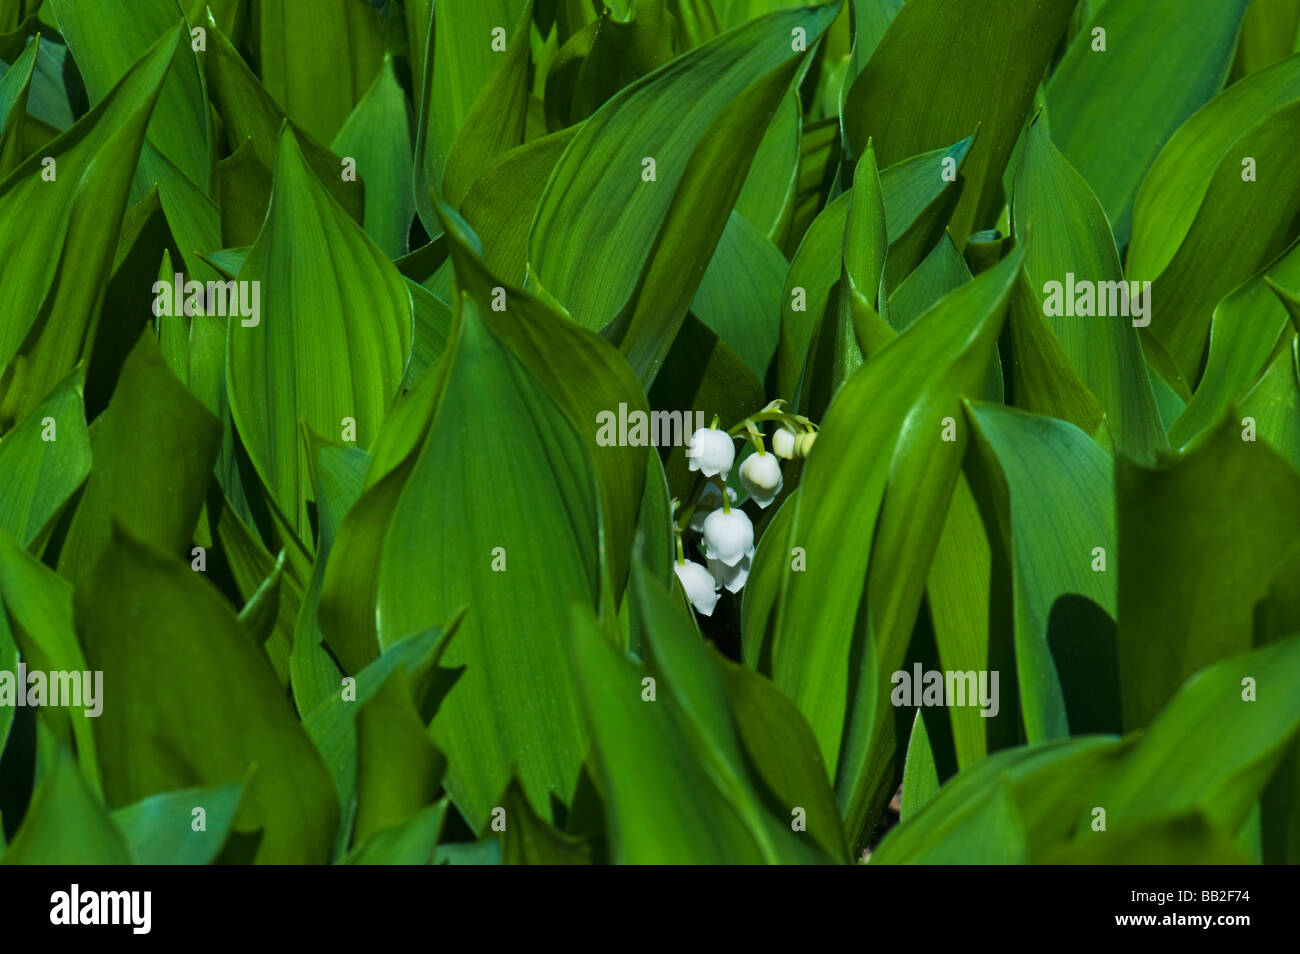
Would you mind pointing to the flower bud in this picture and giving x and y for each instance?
(803, 443)
(728, 537)
(783, 443)
(732, 577)
(701, 589)
(712, 451)
(760, 474)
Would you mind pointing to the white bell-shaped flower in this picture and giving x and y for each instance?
(728, 536)
(712, 451)
(701, 589)
(710, 500)
(732, 577)
(761, 475)
(783, 443)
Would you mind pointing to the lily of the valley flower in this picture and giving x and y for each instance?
(710, 500)
(783, 443)
(760, 473)
(728, 536)
(701, 589)
(711, 450)
(732, 577)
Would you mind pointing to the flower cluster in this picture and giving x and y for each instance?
(727, 533)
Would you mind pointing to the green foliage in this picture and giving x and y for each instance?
(371, 378)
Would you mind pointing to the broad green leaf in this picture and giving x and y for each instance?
(767, 197)
(862, 271)
(1042, 378)
(167, 829)
(310, 357)
(148, 620)
(655, 545)
(1183, 839)
(243, 193)
(1067, 235)
(935, 77)
(501, 202)
(529, 840)
(153, 449)
(917, 203)
(37, 606)
(44, 460)
(495, 123)
(646, 762)
(15, 88)
(993, 835)
(819, 159)
(338, 472)
(698, 121)
(50, 228)
(920, 777)
(251, 114)
(65, 822)
(432, 331)
(332, 725)
(588, 380)
(877, 433)
(486, 851)
(1244, 334)
(1247, 503)
(939, 273)
(1171, 194)
(1214, 746)
(1112, 109)
(206, 379)
(49, 106)
(784, 753)
(739, 297)
(398, 767)
(871, 18)
(689, 674)
(602, 58)
(1272, 406)
(1016, 793)
(1052, 492)
(968, 592)
(1229, 163)
(106, 38)
(414, 842)
(772, 559)
(377, 134)
(318, 58)
(466, 44)
(1270, 31)
(501, 514)
(349, 588)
